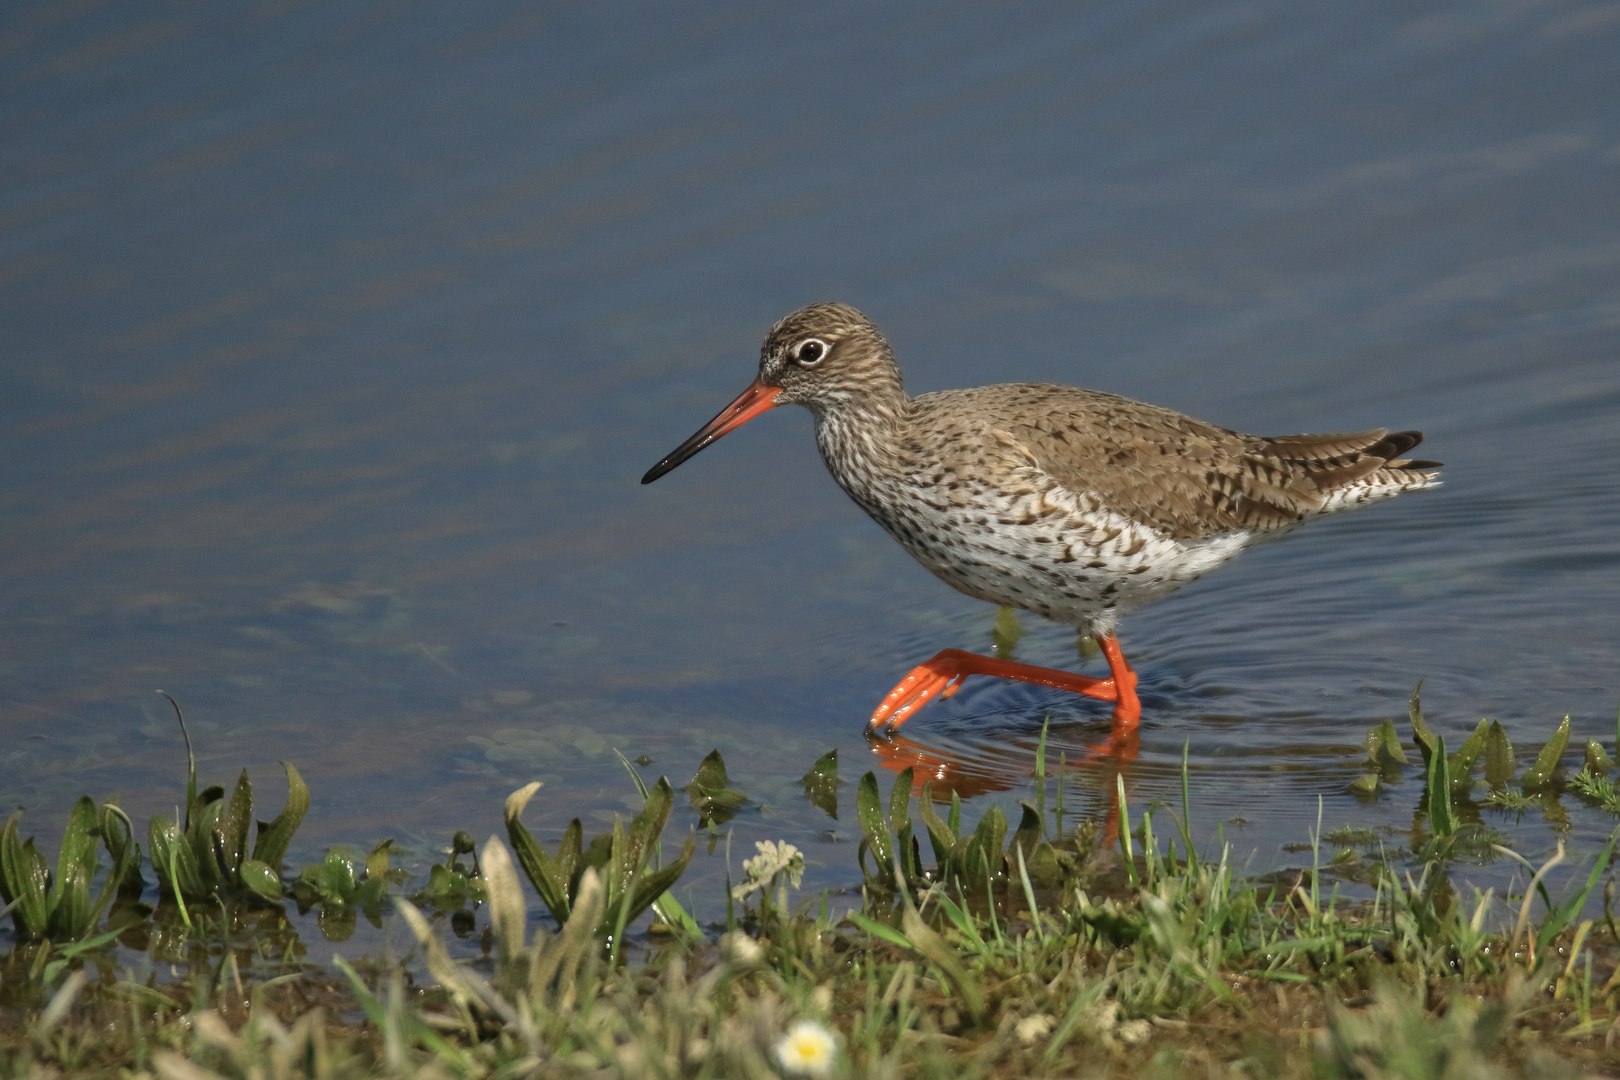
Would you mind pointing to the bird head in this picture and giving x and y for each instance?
(826, 357)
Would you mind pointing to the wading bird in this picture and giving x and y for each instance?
(1073, 504)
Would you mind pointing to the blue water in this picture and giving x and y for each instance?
(334, 340)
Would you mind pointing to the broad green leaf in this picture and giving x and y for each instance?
(550, 877)
(1045, 868)
(617, 866)
(1462, 762)
(1499, 763)
(213, 793)
(368, 896)
(900, 800)
(70, 915)
(596, 857)
(337, 874)
(118, 835)
(1442, 818)
(270, 846)
(1028, 832)
(711, 792)
(1384, 750)
(448, 887)
(570, 861)
(1420, 728)
(652, 885)
(1365, 784)
(821, 783)
(672, 914)
(234, 823)
(711, 772)
(23, 878)
(908, 852)
(648, 825)
(205, 860)
(79, 840)
(173, 858)
(377, 860)
(1597, 762)
(260, 879)
(940, 835)
(983, 855)
(1541, 773)
(869, 812)
(161, 836)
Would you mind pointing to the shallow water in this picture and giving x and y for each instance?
(336, 338)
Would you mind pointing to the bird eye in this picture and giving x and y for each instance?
(810, 352)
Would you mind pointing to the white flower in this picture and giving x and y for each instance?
(779, 857)
(807, 1049)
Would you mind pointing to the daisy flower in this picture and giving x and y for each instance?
(807, 1049)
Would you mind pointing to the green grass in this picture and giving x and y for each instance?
(1012, 952)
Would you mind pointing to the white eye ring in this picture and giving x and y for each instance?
(818, 352)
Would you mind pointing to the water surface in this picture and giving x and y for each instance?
(336, 338)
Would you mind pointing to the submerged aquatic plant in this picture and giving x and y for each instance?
(339, 888)
(712, 795)
(451, 887)
(821, 783)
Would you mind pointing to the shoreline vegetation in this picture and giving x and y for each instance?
(1116, 947)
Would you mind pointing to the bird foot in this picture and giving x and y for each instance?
(942, 676)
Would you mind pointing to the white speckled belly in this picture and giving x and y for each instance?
(1044, 550)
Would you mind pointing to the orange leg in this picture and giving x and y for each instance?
(942, 676)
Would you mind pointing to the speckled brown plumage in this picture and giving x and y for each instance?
(1074, 504)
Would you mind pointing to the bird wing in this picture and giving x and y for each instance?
(1184, 477)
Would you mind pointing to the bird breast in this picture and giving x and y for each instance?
(997, 527)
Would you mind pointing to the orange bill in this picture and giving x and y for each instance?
(749, 404)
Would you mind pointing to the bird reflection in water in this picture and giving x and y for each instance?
(1008, 762)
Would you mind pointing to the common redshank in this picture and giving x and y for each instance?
(1073, 504)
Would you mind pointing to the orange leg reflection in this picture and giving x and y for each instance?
(1006, 766)
(1006, 769)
